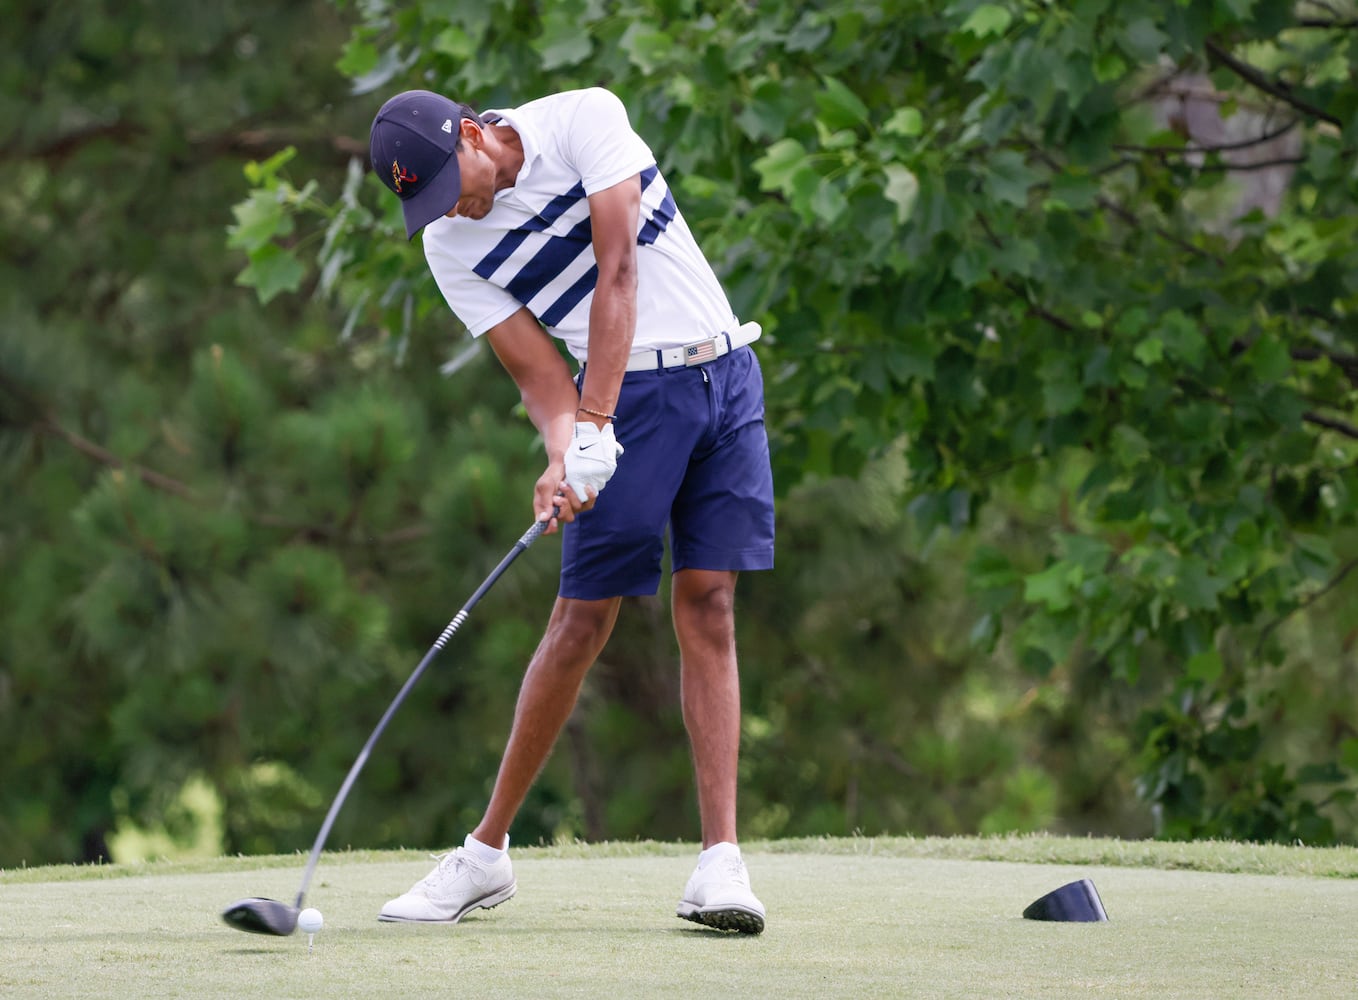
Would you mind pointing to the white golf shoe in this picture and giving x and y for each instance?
(718, 895)
(458, 884)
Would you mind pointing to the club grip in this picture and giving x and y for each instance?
(531, 535)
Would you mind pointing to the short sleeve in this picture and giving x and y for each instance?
(601, 143)
(478, 303)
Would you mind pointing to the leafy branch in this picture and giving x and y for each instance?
(1331, 423)
(1330, 585)
(251, 142)
(103, 456)
(1346, 363)
(1256, 78)
(47, 423)
(1220, 147)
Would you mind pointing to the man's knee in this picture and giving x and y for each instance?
(705, 600)
(579, 629)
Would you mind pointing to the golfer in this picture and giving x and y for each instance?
(547, 221)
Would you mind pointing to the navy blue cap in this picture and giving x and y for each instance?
(413, 148)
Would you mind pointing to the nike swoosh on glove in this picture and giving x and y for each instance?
(591, 458)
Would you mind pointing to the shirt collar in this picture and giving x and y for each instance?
(531, 152)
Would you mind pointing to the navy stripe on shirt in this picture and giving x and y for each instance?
(558, 252)
(662, 217)
(511, 241)
(570, 298)
(552, 258)
(658, 222)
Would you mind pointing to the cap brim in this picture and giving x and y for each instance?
(435, 200)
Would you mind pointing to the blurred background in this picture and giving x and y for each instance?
(1062, 372)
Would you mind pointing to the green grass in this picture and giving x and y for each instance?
(863, 917)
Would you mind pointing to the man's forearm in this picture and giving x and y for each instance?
(613, 310)
(553, 414)
(612, 326)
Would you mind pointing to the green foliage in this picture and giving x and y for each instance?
(1061, 382)
(1008, 238)
(200, 497)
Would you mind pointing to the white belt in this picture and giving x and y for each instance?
(696, 353)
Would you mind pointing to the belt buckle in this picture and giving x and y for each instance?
(697, 353)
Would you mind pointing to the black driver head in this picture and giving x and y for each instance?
(261, 916)
(1076, 902)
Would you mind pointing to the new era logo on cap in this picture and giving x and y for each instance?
(413, 148)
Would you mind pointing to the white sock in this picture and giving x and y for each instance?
(716, 852)
(484, 852)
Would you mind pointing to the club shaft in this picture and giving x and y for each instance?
(529, 537)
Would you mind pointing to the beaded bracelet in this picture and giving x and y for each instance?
(596, 413)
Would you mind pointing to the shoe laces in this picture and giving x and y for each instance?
(734, 869)
(450, 865)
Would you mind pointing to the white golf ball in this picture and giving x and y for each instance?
(309, 921)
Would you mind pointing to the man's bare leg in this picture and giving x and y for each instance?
(704, 622)
(575, 635)
(472, 877)
(718, 894)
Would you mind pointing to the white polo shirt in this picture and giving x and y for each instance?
(534, 247)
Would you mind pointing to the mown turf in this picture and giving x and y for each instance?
(847, 918)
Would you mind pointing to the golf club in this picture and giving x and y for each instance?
(257, 915)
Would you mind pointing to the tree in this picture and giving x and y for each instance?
(1058, 302)
(1021, 241)
(167, 610)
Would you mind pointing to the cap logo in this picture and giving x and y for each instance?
(448, 125)
(398, 174)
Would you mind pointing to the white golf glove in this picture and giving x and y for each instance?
(591, 458)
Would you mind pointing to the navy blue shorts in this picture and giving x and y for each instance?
(696, 461)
